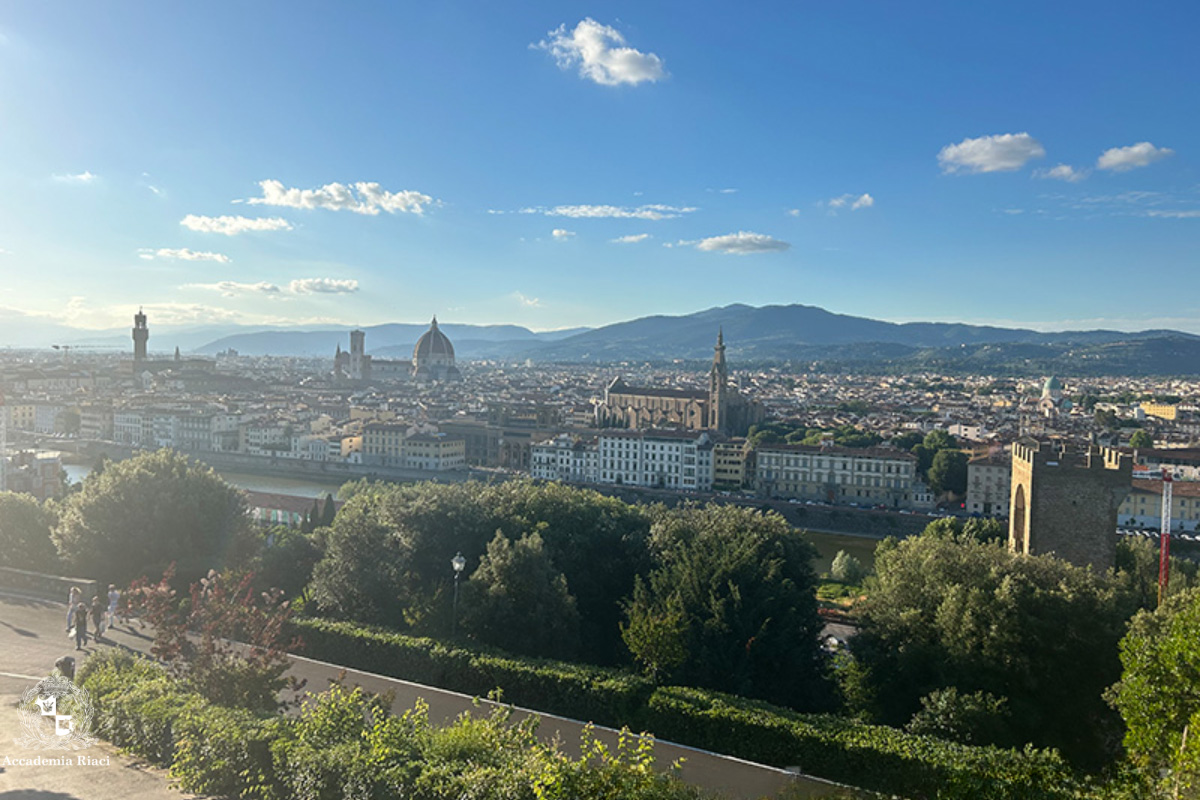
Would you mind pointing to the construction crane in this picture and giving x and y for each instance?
(1164, 536)
(66, 349)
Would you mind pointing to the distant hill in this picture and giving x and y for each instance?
(391, 340)
(799, 334)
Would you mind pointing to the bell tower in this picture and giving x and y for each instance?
(718, 387)
(140, 336)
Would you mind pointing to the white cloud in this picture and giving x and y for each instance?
(527, 302)
(1121, 159)
(632, 238)
(1188, 214)
(649, 212)
(854, 202)
(741, 243)
(562, 233)
(599, 52)
(793, 212)
(1000, 153)
(233, 288)
(82, 177)
(323, 286)
(361, 198)
(1062, 172)
(182, 254)
(231, 226)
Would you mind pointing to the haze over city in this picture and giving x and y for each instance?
(569, 165)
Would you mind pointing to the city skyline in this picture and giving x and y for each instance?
(577, 166)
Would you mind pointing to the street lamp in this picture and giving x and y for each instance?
(459, 563)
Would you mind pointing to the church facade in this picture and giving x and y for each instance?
(719, 408)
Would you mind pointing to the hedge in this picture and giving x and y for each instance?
(842, 749)
(606, 697)
(825, 745)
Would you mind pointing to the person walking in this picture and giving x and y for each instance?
(98, 616)
(71, 601)
(114, 599)
(80, 621)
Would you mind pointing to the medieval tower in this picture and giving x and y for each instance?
(1066, 502)
(358, 340)
(140, 336)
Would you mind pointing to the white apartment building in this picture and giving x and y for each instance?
(867, 476)
(679, 460)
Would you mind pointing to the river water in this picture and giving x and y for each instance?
(299, 487)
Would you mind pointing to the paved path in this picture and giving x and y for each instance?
(32, 638)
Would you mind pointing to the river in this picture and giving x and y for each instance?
(299, 487)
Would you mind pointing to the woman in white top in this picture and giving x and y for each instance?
(114, 597)
(76, 593)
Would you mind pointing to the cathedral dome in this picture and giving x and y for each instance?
(433, 345)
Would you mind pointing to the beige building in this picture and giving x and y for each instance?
(989, 484)
(729, 464)
(434, 451)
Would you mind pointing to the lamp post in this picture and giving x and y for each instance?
(459, 563)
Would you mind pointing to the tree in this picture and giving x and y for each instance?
(328, 512)
(25, 534)
(1157, 695)
(977, 718)
(907, 440)
(948, 472)
(1141, 439)
(140, 515)
(745, 584)
(518, 601)
(359, 576)
(655, 632)
(949, 611)
(846, 568)
(198, 638)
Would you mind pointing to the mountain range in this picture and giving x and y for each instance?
(805, 336)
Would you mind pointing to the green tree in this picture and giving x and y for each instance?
(907, 440)
(1137, 565)
(655, 632)
(846, 568)
(140, 515)
(284, 560)
(977, 718)
(1158, 695)
(948, 472)
(25, 534)
(1141, 439)
(328, 512)
(359, 575)
(950, 611)
(745, 583)
(518, 601)
(939, 439)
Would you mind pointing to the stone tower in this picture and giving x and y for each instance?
(140, 336)
(718, 388)
(357, 350)
(1066, 502)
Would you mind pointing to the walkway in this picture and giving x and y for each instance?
(32, 638)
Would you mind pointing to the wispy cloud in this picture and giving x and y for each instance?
(1062, 172)
(632, 238)
(999, 153)
(361, 198)
(526, 302)
(323, 286)
(562, 233)
(601, 55)
(1123, 159)
(234, 288)
(1190, 213)
(182, 254)
(853, 202)
(77, 178)
(232, 226)
(742, 243)
(647, 212)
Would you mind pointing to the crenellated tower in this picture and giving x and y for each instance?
(718, 388)
(141, 334)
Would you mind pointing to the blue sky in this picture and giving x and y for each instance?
(561, 164)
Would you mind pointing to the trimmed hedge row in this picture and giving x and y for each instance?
(606, 697)
(825, 745)
(841, 749)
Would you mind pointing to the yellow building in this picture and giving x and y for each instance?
(729, 464)
(1160, 410)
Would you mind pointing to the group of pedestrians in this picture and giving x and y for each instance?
(78, 614)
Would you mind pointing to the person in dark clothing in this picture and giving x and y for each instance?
(80, 622)
(66, 667)
(98, 616)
